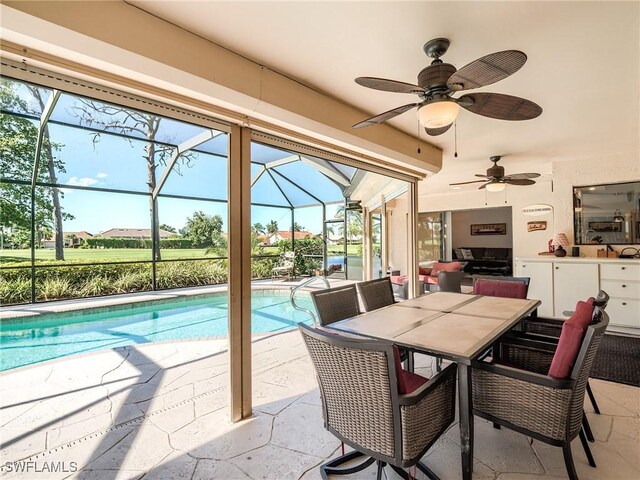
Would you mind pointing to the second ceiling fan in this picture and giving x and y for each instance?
(437, 109)
(495, 179)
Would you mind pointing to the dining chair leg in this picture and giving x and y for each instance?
(587, 450)
(568, 462)
(593, 399)
(333, 467)
(587, 427)
(380, 468)
(438, 365)
(427, 471)
(410, 361)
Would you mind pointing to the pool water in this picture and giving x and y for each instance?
(26, 342)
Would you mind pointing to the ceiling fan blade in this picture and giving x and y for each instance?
(389, 85)
(487, 70)
(464, 183)
(500, 106)
(483, 186)
(519, 181)
(437, 131)
(522, 176)
(483, 176)
(385, 116)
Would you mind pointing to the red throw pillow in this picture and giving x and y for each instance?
(451, 266)
(407, 381)
(570, 341)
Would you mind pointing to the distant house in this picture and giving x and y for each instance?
(71, 240)
(132, 233)
(263, 239)
(286, 235)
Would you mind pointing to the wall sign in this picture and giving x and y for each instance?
(537, 210)
(536, 226)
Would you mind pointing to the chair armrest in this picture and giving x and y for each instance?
(531, 340)
(426, 413)
(544, 326)
(423, 391)
(523, 352)
(526, 340)
(525, 375)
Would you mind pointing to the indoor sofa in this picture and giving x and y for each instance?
(486, 261)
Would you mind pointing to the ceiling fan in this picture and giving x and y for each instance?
(495, 180)
(437, 109)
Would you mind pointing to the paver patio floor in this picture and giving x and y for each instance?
(159, 411)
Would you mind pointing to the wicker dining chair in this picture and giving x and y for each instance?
(512, 287)
(450, 282)
(362, 407)
(376, 293)
(522, 397)
(552, 327)
(335, 304)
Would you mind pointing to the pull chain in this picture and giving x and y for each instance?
(419, 138)
(455, 138)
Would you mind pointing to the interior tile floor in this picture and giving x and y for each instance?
(159, 411)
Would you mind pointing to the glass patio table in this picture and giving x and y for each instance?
(455, 326)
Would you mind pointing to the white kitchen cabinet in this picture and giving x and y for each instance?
(540, 283)
(573, 282)
(560, 282)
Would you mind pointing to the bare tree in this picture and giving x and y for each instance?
(135, 124)
(47, 152)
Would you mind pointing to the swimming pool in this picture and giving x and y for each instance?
(24, 342)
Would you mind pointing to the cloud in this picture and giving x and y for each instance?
(102, 175)
(82, 182)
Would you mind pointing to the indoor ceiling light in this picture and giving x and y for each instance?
(617, 216)
(495, 186)
(438, 113)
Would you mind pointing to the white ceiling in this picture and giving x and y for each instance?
(583, 66)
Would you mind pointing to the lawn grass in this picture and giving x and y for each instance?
(131, 254)
(99, 255)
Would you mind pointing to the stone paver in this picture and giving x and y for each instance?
(159, 411)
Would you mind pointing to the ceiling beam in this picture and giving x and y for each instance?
(282, 161)
(328, 170)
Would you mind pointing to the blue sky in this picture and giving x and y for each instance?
(113, 162)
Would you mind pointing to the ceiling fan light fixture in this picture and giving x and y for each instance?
(495, 186)
(438, 113)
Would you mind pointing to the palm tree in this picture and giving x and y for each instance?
(258, 228)
(272, 227)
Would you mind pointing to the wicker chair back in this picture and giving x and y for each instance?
(355, 377)
(376, 293)
(334, 304)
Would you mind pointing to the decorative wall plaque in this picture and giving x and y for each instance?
(537, 210)
(489, 229)
(536, 226)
